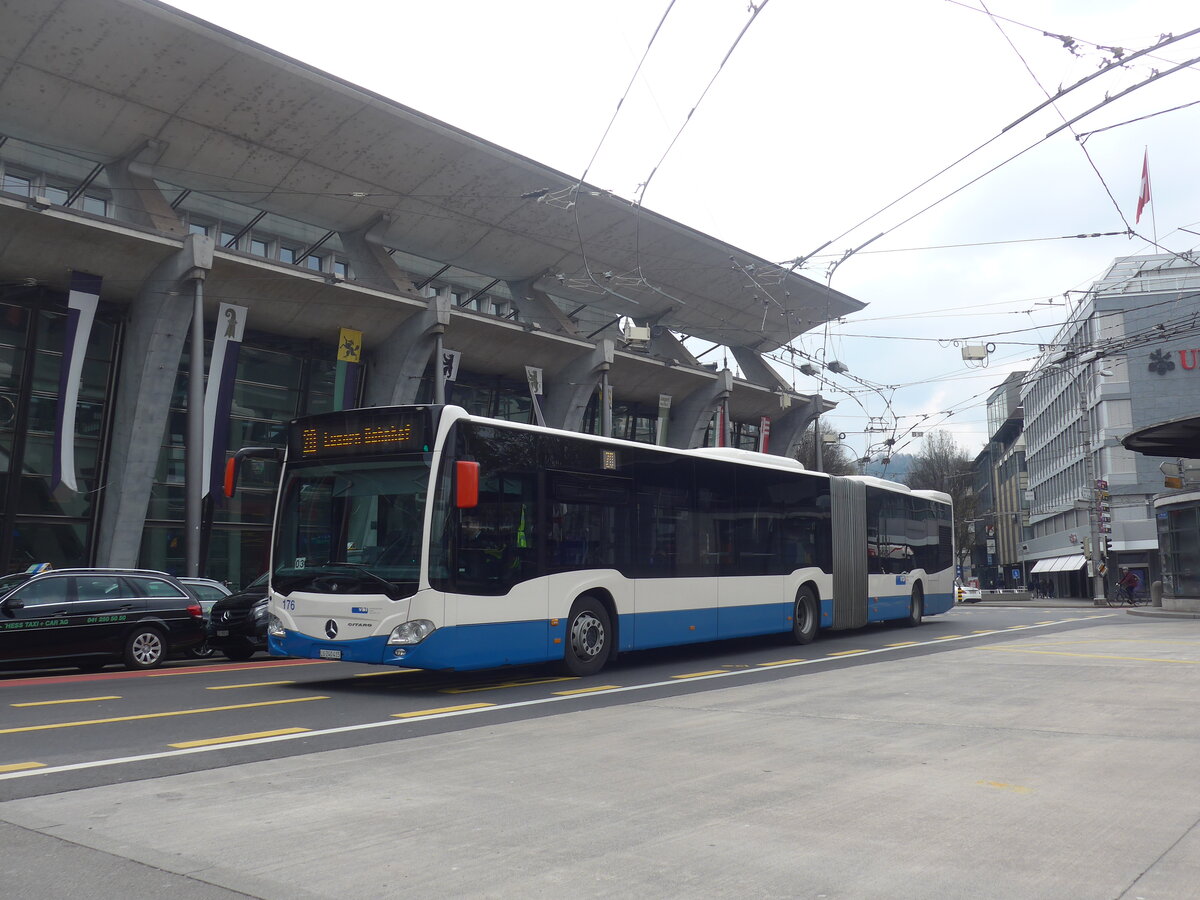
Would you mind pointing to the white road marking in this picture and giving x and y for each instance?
(556, 698)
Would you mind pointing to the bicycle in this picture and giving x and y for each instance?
(1123, 596)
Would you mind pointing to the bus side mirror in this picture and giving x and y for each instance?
(466, 484)
(234, 463)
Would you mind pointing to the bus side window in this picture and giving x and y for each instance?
(497, 540)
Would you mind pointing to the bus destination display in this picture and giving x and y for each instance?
(357, 435)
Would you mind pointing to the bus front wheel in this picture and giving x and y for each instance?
(916, 607)
(589, 638)
(805, 617)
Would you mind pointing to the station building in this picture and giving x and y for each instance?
(343, 250)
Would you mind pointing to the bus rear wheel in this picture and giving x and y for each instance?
(589, 638)
(916, 607)
(805, 617)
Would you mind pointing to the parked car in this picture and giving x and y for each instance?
(968, 594)
(91, 617)
(237, 624)
(208, 591)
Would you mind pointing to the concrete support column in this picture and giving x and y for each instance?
(369, 260)
(664, 345)
(395, 367)
(136, 197)
(537, 306)
(571, 387)
(788, 429)
(757, 370)
(153, 345)
(690, 416)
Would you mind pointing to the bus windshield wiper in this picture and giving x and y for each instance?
(389, 589)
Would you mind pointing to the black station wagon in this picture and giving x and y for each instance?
(91, 617)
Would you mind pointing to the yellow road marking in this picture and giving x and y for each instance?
(233, 738)
(72, 700)
(384, 672)
(21, 767)
(588, 690)
(230, 687)
(950, 637)
(700, 674)
(903, 644)
(444, 709)
(200, 670)
(472, 689)
(845, 652)
(1015, 627)
(159, 715)
(985, 631)
(1186, 662)
(781, 662)
(1048, 622)
(1015, 788)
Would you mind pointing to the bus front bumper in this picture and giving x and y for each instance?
(372, 650)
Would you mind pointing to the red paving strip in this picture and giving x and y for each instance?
(182, 670)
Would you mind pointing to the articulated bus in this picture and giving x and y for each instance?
(425, 537)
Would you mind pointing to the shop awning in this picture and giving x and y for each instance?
(1058, 564)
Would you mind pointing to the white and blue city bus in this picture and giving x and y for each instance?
(425, 537)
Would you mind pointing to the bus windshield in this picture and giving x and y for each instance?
(356, 519)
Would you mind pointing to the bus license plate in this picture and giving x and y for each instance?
(330, 654)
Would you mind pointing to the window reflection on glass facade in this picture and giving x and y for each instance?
(275, 382)
(1179, 548)
(484, 395)
(38, 523)
(630, 422)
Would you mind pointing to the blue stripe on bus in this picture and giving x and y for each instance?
(516, 643)
(460, 647)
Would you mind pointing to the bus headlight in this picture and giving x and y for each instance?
(411, 632)
(275, 628)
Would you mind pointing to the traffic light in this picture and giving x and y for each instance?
(1103, 518)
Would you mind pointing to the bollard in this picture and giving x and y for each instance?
(1156, 593)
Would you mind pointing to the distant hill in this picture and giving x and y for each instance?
(896, 469)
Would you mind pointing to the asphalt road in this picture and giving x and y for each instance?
(74, 730)
(1002, 753)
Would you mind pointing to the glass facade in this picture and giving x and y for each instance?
(1179, 549)
(277, 381)
(39, 523)
(484, 395)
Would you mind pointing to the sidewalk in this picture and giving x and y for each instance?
(1023, 599)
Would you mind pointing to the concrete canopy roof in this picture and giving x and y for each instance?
(238, 120)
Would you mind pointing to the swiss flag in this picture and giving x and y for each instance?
(1144, 195)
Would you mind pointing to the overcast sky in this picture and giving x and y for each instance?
(823, 115)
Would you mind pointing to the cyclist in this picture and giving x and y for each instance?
(1130, 582)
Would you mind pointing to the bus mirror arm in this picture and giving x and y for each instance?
(466, 484)
(234, 462)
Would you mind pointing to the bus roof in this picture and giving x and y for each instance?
(752, 456)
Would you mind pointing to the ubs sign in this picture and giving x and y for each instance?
(1161, 362)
